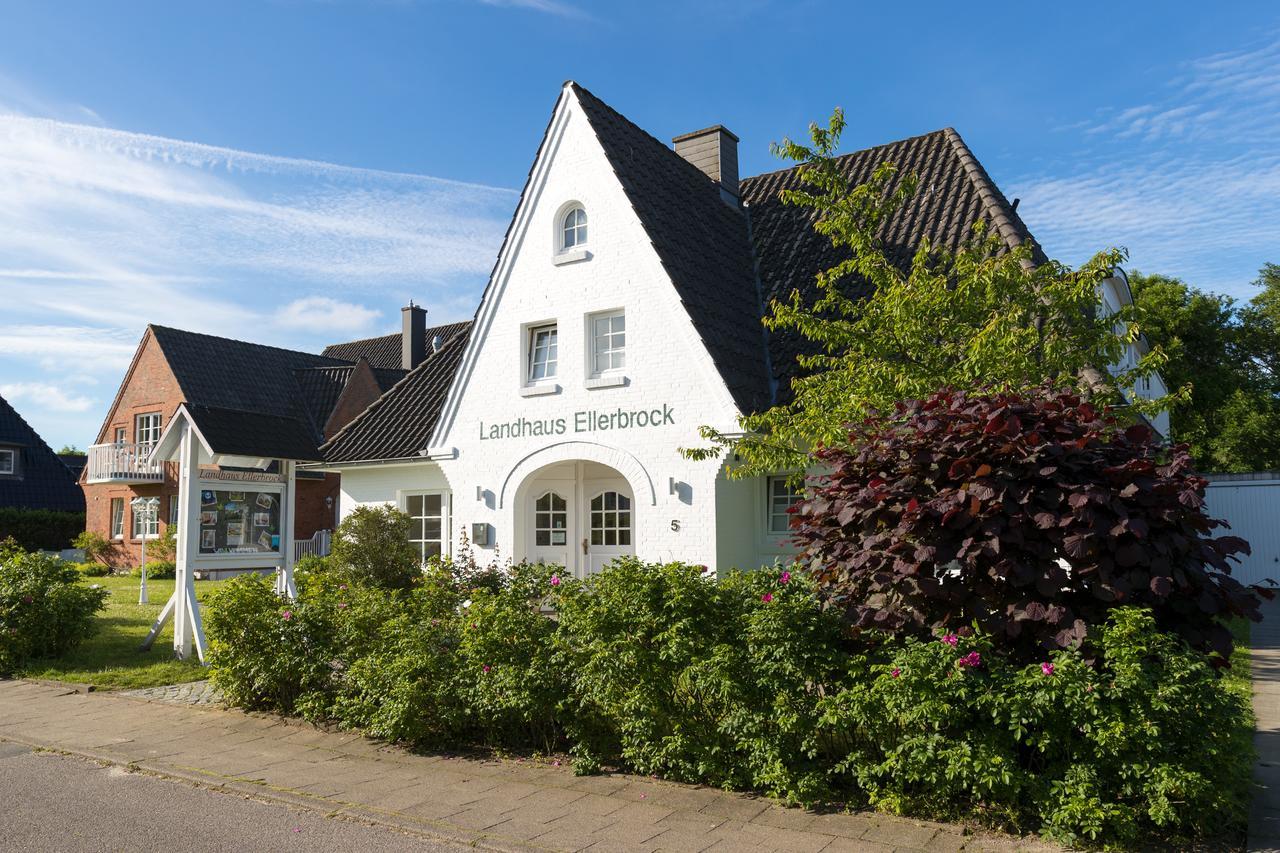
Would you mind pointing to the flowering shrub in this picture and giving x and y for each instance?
(1033, 514)
(748, 682)
(45, 607)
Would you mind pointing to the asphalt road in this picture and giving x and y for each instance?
(51, 802)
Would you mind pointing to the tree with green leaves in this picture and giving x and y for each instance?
(983, 316)
(1228, 356)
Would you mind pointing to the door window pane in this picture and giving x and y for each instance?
(550, 520)
(611, 519)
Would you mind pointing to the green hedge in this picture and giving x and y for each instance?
(749, 683)
(40, 529)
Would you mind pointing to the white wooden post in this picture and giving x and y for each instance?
(188, 630)
(288, 501)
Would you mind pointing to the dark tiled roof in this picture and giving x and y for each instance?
(273, 391)
(75, 462)
(43, 481)
(399, 424)
(384, 351)
(954, 192)
(255, 433)
(702, 242)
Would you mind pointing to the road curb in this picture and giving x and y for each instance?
(328, 807)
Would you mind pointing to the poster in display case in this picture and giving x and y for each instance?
(239, 522)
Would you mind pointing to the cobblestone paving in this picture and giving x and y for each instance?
(511, 805)
(191, 693)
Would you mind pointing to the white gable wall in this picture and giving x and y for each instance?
(667, 368)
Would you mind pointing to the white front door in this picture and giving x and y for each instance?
(608, 522)
(552, 530)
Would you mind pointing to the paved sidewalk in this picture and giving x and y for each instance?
(492, 803)
(1264, 820)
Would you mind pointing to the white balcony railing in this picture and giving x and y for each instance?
(123, 462)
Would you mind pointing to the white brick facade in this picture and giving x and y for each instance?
(683, 510)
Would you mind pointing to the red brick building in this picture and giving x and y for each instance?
(172, 367)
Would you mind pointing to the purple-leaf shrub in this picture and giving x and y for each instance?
(1033, 514)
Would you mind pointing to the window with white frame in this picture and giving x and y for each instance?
(8, 460)
(148, 529)
(173, 509)
(782, 497)
(119, 435)
(608, 342)
(543, 353)
(117, 518)
(427, 522)
(147, 428)
(573, 229)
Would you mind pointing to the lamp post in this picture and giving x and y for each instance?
(145, 510)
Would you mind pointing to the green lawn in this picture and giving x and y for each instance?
(110, 659)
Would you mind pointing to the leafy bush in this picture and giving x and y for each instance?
(749, 682)
(92, 570)
(40, 529)
(1033, 515)
(157, 570)
(1148, 740)
(698, 680)
(96, 547)
(45, 608)
(372, 545)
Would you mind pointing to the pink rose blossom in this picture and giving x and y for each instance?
(555, 580)
(971, 659)
(26, 599)
(896, 672)
(342, 586)
(287, 615)
(1046, 668)
(767, 597)
(785, 577)
(342, 605)
(951, 640)
(485, 667)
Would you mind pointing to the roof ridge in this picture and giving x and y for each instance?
(337, 361)
(1003, 216)
(854, 153)
(663, 145)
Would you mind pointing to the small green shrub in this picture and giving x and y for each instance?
(92, 570)
(45, 608)
(96, 547)
(157, 570)
(372, 546)
(311, 564)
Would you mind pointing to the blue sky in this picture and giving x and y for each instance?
(292, 172)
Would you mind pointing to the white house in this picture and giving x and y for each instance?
(623, 313)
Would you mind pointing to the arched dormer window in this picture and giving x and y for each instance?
(573, 228)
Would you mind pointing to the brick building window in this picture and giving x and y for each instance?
(117, 518)
(147, 428)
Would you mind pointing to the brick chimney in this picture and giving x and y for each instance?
(413, 336)
(714, 150)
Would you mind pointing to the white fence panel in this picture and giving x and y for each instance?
(1252, 508)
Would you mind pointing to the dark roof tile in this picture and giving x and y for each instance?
(42, 480)
(384, 352)
(398, 425)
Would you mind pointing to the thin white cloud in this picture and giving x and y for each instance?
(321, 313)
(45, 396)
(549, 7)
(1188, 180)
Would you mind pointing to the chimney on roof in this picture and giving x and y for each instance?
(714, 150)
(413, 335)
